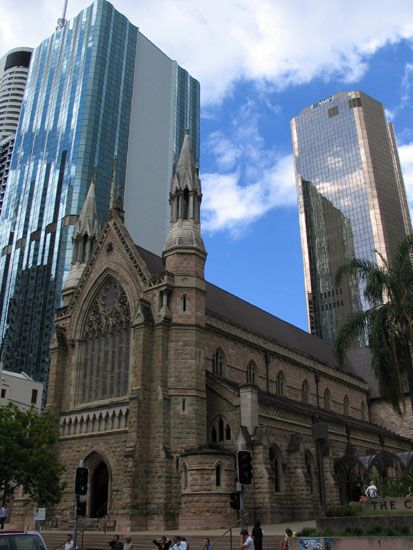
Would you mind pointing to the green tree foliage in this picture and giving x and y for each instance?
(28, 456)
(388, 322)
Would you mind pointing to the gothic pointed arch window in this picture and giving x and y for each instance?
(218, 475)
(185, 214)
(305, 392)
(363, 410)
(280, 384)
(103, 354)
(220, 430)
(327, 399)
(218, 363)
(184, 477)
(346, 405)
(251, 370)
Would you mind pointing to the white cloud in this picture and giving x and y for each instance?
(276, 43)
(250, 179)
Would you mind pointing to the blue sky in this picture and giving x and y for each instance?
(259, 64)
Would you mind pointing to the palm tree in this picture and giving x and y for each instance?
(388, 323)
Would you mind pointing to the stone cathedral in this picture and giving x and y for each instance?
(158, 377)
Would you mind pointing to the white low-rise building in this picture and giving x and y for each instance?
(19, 389)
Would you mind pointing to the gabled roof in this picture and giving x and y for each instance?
(228, 306)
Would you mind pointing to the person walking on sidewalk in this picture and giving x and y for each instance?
(289, 535)
(163, 543)
(4, 512)
(257, 535)
(207, 544)
(246, 541)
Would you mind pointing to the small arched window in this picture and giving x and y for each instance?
(251, 373)
(305, 392)
(363, 410)
(185, 213)
(184, 476)
(346, 405)
(327, 399)
(280, 384)
(218, 468)
(218, 363)
(276, 466)
(228, 433)
(220, 430)
(184, 302)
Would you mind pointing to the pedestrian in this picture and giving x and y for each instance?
(184, 544)
(257, 535)
(116, 544)
(371, 491)
(246, 541)
(163, 543)
(207, 544)
(4, 512)
(69, 542)
(128, 544)
(289, 535)
(176, 543)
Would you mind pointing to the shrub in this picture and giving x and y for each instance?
(342, 511)
(307, 532)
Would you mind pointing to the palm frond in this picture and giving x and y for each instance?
(353, 328)
(387, 365)
(402, 259)
(354, 267)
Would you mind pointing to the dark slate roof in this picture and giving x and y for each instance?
(153, 262)
(229, 307)
(226, 305)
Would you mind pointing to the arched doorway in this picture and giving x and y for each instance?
(350, 475)
(99, 491)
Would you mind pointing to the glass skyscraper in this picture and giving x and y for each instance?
(14, 69)
(97, 89)
(352, 200)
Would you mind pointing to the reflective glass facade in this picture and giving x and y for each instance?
(77, 115)
(352, 200)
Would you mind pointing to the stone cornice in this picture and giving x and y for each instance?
(294, 411)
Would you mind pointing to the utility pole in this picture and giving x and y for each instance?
(244, 473)
(81, 483)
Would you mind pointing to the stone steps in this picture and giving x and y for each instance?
(93, 540)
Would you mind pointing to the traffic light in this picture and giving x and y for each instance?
(82, 475)
(234, 501)
(244, 463)
(81, 509)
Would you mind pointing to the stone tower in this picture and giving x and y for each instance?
(184, 256)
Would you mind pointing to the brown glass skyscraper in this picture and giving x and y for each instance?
(352, 200)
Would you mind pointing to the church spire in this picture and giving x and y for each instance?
(85, 236)
(185, 199)
(116, 202)
(87, 222)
